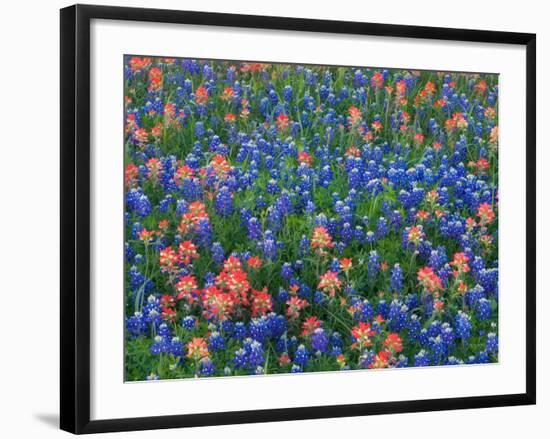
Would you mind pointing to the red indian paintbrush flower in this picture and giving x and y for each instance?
(186, 287)
(310, 324)
(216, 303)
(416, 234)
(201, 95)
(330, 283)
(261, 302)
(295, 305)
(197, 349)
(168, 258)
(254, 262)
(187, 251)
(485, 214)
(354, 116)
(393, 342)
(460, 262)
(321, 240)
(429, 280)
(305, 157)
(380, 360)
(282, 122)
(346, 264)
(138, 63)
(362, 334)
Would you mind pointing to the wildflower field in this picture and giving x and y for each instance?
(298, 218)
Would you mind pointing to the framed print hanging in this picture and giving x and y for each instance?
(269, 218)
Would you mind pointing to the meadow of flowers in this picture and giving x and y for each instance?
(297, 218)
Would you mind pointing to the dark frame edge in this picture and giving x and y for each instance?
(303, 413)
(303, 24)
(68, 386)
(531, 218)
(75, 219)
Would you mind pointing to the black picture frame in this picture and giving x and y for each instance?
(75, 217)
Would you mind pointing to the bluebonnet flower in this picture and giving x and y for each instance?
(138, 202)
(483, 309)
(301, 356)
(165, 204)
(207, 367)
(304, 245)
(492, 343)
(164, 330)
(438, 258)
(258, 329)
(286, 271)
(254, 229)
(216, 342)
(370, 237)
(188, 322)
(383, 308)
(373, 265)
(488, 279)
(136, 325)
(402, 361)
(217, 253)
(482, 357)
(181, 207)
(269, 245)
(276, 325)
(152, 310)
(287, 93)
(224, 202)
(240, 359)
(204, 232)
(474, 295)
(129, 252)
(191, 189)
(347, 233)
(176, 348)
(396, 279)
(319, 340)
(137, 279)
(318, 297)
(463, 325)
(239, 330)
(397, 316)
(422, 359)
(255, 353)
(161, 345)
(453, 361)
(359, 235)
(382, 227)
(396, 220)
(283, 295)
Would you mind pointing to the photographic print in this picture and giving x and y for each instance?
(287, 218)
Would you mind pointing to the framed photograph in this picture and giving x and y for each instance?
(268, 218)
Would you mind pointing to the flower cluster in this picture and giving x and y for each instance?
(288, 218)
